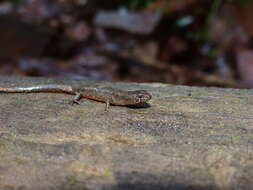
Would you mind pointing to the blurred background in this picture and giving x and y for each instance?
(189, 42)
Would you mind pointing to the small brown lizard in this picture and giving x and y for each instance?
(107, 94)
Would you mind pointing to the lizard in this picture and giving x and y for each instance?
(108, 95)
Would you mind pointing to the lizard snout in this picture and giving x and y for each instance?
(143, 97)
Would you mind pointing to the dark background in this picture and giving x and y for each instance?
(190, 42)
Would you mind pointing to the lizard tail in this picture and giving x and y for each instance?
(39, 88)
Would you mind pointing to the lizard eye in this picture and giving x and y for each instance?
(143, 96)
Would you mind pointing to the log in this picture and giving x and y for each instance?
(187, 138)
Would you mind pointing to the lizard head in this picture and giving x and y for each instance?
(141, 96)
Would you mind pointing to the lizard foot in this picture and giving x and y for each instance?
(73, 102)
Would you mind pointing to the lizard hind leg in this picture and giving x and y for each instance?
(107, 105)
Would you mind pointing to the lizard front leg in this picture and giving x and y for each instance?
(76, 98)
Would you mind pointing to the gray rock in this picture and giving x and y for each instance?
(188, 138)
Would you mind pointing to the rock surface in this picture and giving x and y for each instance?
(189, 138)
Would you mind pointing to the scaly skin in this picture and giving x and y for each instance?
(108, 95)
